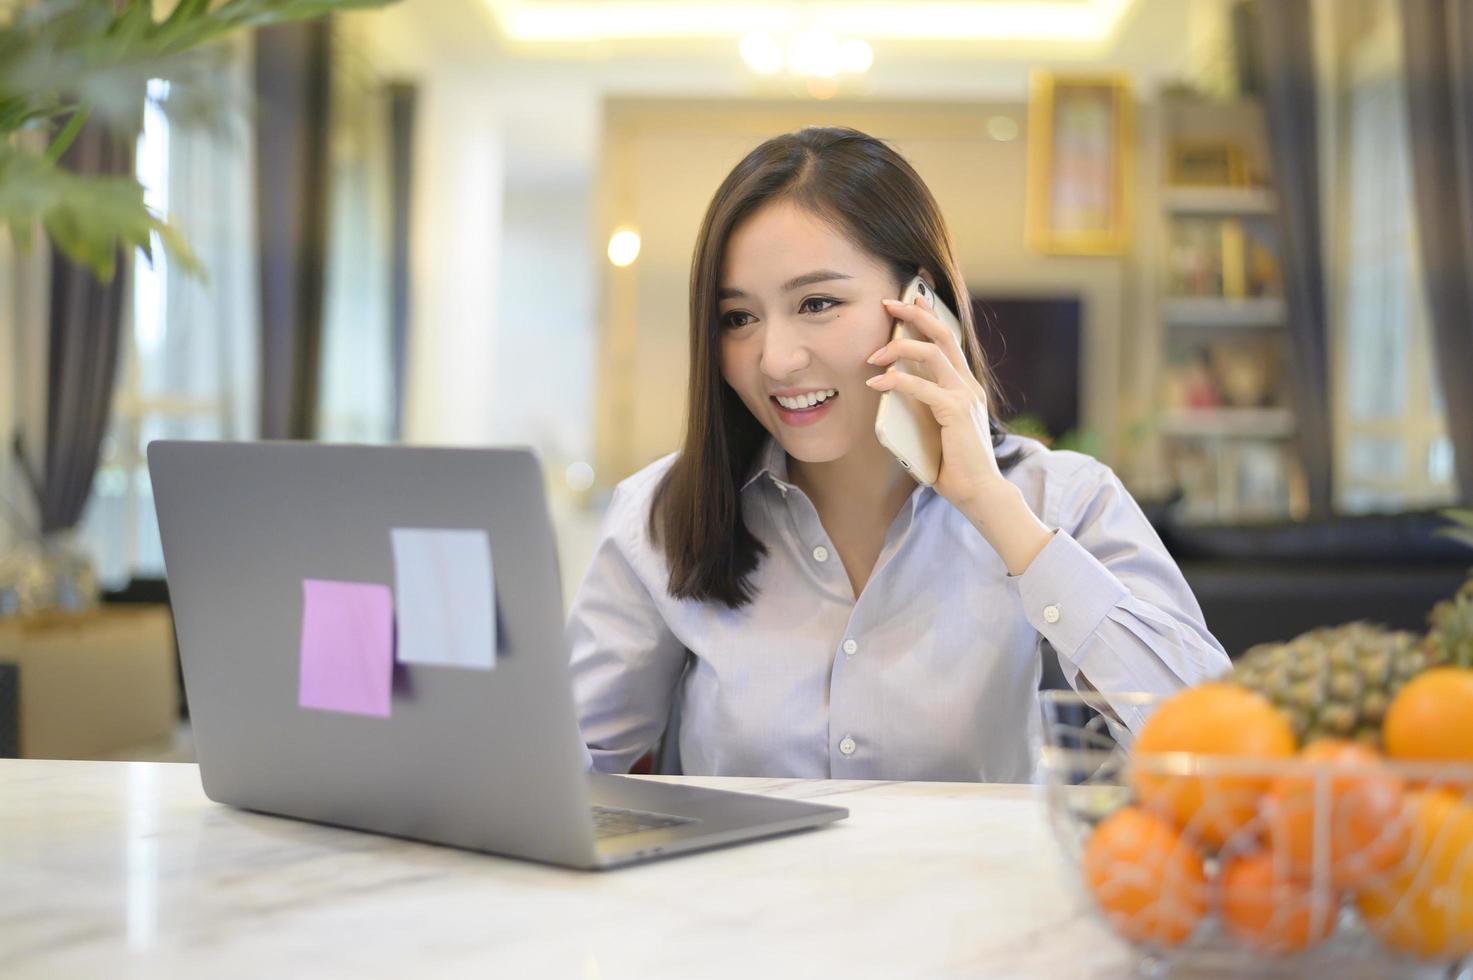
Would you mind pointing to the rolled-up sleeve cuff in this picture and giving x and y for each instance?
(1067, 593)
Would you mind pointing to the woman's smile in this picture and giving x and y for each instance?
(801, 410)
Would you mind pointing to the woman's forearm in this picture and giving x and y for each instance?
(1000, 514)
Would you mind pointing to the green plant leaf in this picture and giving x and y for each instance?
(53, 47)
(93, 57)
(1463, 533)
(1459, 515)
(88, 219)
(68, 134)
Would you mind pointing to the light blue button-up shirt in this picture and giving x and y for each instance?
(931, 673)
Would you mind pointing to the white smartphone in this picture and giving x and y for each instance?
(904, 425)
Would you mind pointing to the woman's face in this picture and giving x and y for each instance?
(800, 312)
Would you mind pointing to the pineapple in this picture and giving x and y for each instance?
(1335, 681)
(1450, 639)
(1338, 681)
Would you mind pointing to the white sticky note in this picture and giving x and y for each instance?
(444, 598)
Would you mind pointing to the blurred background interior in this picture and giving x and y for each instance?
(1224, 246)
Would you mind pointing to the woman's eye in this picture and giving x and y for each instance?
(737, 319)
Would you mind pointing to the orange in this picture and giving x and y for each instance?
(1360, 813)
(1212, 720)
(1147, 878)
(1432, 717)
(1265, 907)
(1425, 905)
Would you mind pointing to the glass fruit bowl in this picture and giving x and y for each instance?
(1348, 866)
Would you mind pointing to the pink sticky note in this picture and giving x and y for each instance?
(347, 647)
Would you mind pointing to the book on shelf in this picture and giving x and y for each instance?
(1233, 481)
(1222, 257)
(1227, 372)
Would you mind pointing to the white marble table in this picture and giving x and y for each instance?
(125, 869)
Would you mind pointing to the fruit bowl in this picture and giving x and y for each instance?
(1341, 863)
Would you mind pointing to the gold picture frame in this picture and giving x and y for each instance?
(1080, 160)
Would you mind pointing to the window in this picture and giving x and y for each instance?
(187, 364)
(356, 393)
(1393, 451)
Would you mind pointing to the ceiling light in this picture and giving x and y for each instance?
(1040, 20)
(814, 53)
(1067, 21)
(616, 19)
(856, 56)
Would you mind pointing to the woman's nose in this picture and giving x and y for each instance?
(783, 351)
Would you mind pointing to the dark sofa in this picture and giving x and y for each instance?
(1262, 583)
(1269, 582)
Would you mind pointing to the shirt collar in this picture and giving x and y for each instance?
(772, 462)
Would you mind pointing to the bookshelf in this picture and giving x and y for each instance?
(1224, 426)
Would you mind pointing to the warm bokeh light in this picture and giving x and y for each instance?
(1004, 129)
(823, 88)
(762, 53)
(624, 247)
(856, 56)
(814, 53)
(809, 54)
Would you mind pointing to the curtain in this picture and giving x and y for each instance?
(1288, 82)
(86, 320)
(356, 389)
(292, 93)
(25, 279)
(401, 144)
(208, 349)
(1438, 40)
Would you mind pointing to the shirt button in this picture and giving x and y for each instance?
(1051, 614)
(847, 746)
(850, 647)
(820, 553)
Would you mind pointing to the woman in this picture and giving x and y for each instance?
(812, 610)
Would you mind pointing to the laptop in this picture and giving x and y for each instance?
(485, 759)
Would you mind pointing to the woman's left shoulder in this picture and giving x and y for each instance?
(1044, 473)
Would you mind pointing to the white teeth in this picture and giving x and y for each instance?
(806, 401)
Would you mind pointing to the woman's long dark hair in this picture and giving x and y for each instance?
(865, 189)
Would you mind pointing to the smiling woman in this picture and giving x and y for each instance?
(854, 229)
(786, 584)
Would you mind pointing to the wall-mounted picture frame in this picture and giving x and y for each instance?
(1080, 156)
(1207, 163)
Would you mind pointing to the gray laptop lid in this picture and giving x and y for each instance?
(486, 759)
